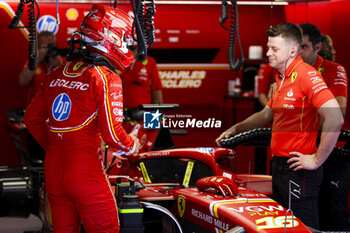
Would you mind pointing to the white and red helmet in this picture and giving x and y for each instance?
(110, 29)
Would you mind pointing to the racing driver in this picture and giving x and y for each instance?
(80, 102)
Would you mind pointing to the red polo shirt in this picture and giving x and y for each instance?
(39, 77)
(139, 81)
(266, 76)
(336, 78)
(295, 103)
(334, 75)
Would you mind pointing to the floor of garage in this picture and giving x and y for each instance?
(32, 224)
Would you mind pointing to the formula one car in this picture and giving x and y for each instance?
(171, 190)
(186, 190)
(192, 184)
(199, 189)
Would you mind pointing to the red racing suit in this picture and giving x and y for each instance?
(77, 104)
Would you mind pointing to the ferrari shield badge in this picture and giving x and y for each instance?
(294, 76)
(181, 204)
(320, 70)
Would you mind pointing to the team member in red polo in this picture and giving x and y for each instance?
(333, 204)
(48, 58)
(266, 77)
(141, 83)
(301, 94)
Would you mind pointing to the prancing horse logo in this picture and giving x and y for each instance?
(181, 204)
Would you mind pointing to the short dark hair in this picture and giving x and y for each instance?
(289, 31)
(46, 33)
(313, 32)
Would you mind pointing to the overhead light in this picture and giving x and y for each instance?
(254, 3)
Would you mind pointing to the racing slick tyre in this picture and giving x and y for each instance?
(257, 137)
(262, 137)
(159, 219)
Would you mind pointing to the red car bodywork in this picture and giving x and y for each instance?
(209, 210)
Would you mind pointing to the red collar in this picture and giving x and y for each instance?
(293, 65)
(318, 64)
